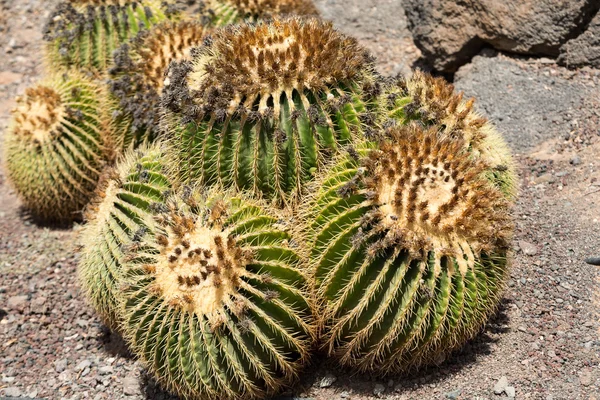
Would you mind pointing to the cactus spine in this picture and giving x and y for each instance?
(56, 146)
(116, 223)
(84, 34)
(262, 107)
(214, 300)
(409, 247)
(433, 101)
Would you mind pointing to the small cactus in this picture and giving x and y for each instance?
(56, 146)
(84, 33)
(410, 247)
(139, 72)
(214, 300)
(263, 107)
(225, 12)
(115, 228)
(433, 101)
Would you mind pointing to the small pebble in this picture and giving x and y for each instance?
(501, 385)
(327, 381)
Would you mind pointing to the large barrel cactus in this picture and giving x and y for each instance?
(56, 146)
(409, 242)
(137, 77)
(433, 101)
(84, 33)
(214, 300)
(117, 219)
(262, 107)
(225, 12)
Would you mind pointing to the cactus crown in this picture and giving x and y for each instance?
(433, 101)
(429, 189)
(38, 114)
(200, 265)
(247, 64)
(140, 67)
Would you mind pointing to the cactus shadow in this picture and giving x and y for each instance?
(113, 344)
(26, 216)
(151, 390)
(363, 384)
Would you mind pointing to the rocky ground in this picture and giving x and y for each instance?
(544, 342)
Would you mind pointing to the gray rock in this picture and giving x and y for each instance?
(131, 385)
(449, 33)
(527, 106)
(12, 391)
(379, 390)
(107, 369)
(576, 160)
(17, 303)
(510, 392)
(453, 395)
(327, 381)
(528, 248)
(60, 365)
(501, 385)
(83, 365)
(584, 49)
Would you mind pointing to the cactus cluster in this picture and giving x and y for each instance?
(273, 194)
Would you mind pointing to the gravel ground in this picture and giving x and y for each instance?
(544, 342)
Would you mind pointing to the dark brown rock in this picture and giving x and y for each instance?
(449, 33)
(584, 49)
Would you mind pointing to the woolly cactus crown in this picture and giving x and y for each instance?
(434, 102)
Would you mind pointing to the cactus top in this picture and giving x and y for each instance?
(248, 64)
(430, 194)
(273, 7)
(200, 264)
(38, 114)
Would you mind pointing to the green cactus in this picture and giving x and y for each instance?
(137, 78)
(262, 107)
(56, 146)
(225, 12)
(115, 221)
(214, 300)
(410, 248)
(433, 101)
(84, 33)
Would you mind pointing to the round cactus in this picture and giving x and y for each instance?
(410, 244)
(56, 146)
(433, 101)
(225, 12)
(116, 222)
(214, 300)
(262, 107)
(139, 72)
(84, 33)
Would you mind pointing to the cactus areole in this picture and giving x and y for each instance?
(262, 107)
